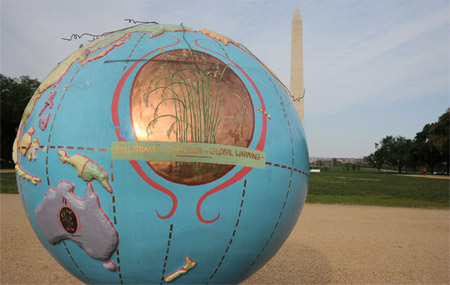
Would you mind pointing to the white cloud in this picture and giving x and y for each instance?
(397, 36)
(388, 67)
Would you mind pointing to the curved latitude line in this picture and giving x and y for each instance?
(260, 146)
(116, 123)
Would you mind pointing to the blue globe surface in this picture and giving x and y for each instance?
(160, 154)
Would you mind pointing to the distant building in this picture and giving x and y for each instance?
(330, 161)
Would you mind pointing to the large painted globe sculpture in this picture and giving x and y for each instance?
(160, 154)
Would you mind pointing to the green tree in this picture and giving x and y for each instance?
(397, 151)
(15, 94)
(439, 137)
(424, 153)
(377, 158)
(430, 148)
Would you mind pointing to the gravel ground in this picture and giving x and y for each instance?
(330, 244)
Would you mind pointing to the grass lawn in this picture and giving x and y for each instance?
(365, 187)
(8, 183)
(369, 187)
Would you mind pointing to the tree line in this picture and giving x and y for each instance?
(15, 95)
(429, 150)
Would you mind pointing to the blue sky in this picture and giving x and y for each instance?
(371, 68)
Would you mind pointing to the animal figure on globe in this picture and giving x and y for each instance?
(87, 169)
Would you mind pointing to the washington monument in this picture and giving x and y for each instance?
(297, 92)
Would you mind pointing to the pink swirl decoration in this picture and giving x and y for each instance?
(238, 176)
(260, 146)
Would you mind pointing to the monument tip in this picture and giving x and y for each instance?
(296, 18)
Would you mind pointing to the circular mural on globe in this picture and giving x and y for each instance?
(190, 96)
(161, 154)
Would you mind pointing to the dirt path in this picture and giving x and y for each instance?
(330, 244)
(428, 176)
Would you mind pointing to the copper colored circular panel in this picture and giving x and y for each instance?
(189, 96)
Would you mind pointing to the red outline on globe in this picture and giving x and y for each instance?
(236, 177)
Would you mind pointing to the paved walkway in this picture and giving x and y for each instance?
(330, 244)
